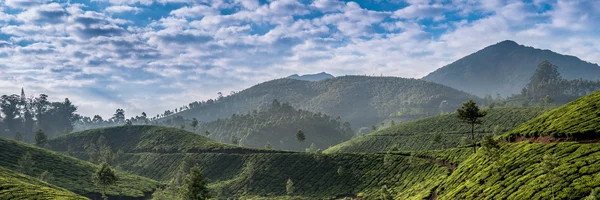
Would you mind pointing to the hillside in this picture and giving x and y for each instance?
(522, 172)
(361, 100)
(140, 138)
(260, 173)
(277, 126)
(70, 173)
(579, 119)
(505, 68)
(311, 77)
(420, 134)
(16, 186)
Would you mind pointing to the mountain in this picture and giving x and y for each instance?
(420, 134)
(505, 68)
(311, 77)
(70, 173)
(15, 185)
(579, 119)
(277, 126)
(360, 100)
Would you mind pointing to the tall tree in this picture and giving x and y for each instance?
(41, 139)
(194, 124)
(26, 163)
(548, 165)
(470, 114)
(10, 105)
(119, 116)
(194, 186)
(104, 177)
(300, 136)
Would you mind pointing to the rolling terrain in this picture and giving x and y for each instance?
(360, 100)
(505, 68)
(420, 134)
(18, 186)
(277, 126)
(70, 173)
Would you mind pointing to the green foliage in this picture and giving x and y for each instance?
(289, 187)
(577, 119)
(300, 136)
(14, 185)
(194, 186)
(524, 173)
(70, 173)
(46, 176)
(19, 137)
(26, 163)
(418, 134)
(279, 123)
(361, 100)
(41, 139)
(105, 177)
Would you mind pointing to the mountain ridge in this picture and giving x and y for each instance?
(505, 68)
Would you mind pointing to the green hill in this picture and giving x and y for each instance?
(70, 173)
(277, 126)
(419, 134)
(361, 100)
(579, 119)
(241, 172)
(505, 68)
(16, 186)
(519, 173)
(141, 138)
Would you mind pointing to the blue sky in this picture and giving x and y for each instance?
(152, 55)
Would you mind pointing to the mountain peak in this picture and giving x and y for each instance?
(311, 77)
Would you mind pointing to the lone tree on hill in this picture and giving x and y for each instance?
(41, 139)
(194, 186)
(300, 136)
(470, 113)
(289, 187)
(105, 177)
(194, 124)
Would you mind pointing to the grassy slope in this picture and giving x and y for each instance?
(314, 175)
(416, 135)
(579, 119)
(521, 175)
(70, 173)
(16, 186)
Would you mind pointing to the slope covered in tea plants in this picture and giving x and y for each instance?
(521, 172)
(68, 172)
(419, 134)
(579, 119)
(17, 186)
(237, 172)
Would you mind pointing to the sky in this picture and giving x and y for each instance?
(153, 55)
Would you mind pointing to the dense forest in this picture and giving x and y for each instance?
(276, 127)
(506, 67)
(361, 100)
(547, 86)
(22, 116)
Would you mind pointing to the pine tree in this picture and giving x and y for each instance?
(194, 186)
(300, 136)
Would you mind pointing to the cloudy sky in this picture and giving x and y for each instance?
(152, 55)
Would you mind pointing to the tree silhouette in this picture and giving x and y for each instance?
(470, 114)
(105, 177)
(300, 136)
(194, 186)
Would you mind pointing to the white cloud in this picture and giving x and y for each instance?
(122, 9)
(195, 11)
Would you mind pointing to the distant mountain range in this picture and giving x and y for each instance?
(505, 68)
(311, 77)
